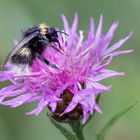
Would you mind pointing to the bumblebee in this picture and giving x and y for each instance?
(32, 45)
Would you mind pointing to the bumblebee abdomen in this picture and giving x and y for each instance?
(23, 56)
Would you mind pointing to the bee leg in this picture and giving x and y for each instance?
(60, 48)
(54, 47)
(56, 41)
(46, 61)
(44, 42)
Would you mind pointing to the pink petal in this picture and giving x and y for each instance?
(43, 103)
(66, 25)
(110, 34)
(75, 23)
(117, 44)
(99, 31)
(121, 52)
(17, 101)
(106, 74)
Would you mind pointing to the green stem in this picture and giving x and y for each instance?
(77, 129)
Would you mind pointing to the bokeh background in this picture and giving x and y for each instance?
(16, 15)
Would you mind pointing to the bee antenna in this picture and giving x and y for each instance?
(62, 32)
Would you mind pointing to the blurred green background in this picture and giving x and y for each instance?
(19, 14)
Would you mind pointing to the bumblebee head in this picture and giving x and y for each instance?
(43, 28)
(52, 32)
(49, 32)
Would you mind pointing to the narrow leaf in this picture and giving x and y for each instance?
(68, 135)
(112, 121)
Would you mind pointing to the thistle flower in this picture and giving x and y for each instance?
(70, 91)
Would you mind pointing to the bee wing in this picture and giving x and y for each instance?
(21, 44)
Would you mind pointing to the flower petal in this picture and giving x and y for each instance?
(117, 44)
(75, 23)
(43, 103)
(17, 101)
(106, 74)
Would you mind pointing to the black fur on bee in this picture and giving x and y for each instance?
(33, 43)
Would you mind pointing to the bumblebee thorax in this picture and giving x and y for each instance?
(43, 28)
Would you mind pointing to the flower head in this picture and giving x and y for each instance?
(71, 90)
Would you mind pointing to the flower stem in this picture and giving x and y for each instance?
(77, 129)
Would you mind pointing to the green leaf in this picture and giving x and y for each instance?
(68, 135)
(91, 116)
(112, 121)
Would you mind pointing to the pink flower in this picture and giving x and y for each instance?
(82, 66)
